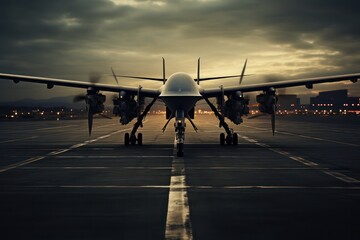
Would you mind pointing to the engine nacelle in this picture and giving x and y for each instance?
(235, 107)
(95, 102)
(126, 108)
(267, 102)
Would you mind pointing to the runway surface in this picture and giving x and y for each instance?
(56, 182)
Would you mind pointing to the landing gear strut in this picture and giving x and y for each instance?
(131, 138)
(231, 136)
(180, 132)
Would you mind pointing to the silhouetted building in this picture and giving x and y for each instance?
(288, 102)
(335, 101)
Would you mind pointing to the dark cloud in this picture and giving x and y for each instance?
(71, 38)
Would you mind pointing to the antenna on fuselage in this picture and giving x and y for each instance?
(164, 76)
(198, 72)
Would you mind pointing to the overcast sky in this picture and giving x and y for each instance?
(72, 38)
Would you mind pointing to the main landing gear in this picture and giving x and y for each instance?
(130, 138)
(231, 137)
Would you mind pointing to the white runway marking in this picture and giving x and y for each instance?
(57, 152)
(235, 187)
(98, 167)
(22, 163)
(63, 168)
(19, 139)
(109, 186)
(309, 137)
(340, 176)
(170, 168)
(50, 128)
(107, 125)
(257, 168)
(113, 156)
(178, 225)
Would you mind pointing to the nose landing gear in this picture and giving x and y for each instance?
(180, 136)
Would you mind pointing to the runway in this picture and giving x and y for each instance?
(56, 182)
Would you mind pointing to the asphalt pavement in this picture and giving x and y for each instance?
(56, 182)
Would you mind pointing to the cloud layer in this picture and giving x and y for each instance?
(70, 38)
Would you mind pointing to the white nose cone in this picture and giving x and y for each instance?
(180, 92)
(180, 84)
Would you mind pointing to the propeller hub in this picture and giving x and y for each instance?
(91, 91)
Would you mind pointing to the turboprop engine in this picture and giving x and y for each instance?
(94, 104)
(268, 104)
(126, 107)
(267, 101)
(235, 107)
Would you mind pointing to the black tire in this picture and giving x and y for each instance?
(228, 140)
(140, 138)
(235, 139)
(222, 138)
(180, 149)
(127, 139)
(133, 140)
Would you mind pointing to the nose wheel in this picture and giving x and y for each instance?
(180, 149)
(230, 139)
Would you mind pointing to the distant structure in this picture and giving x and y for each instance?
(288, 102)
(335, 102)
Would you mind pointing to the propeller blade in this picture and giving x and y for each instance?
(273, 119)
(90, 120)
(198, 72)
(114, 75)
(164, 75)
(79, 98)
(242, 73)
(94, 77)
(222, 104)
(138, 101)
